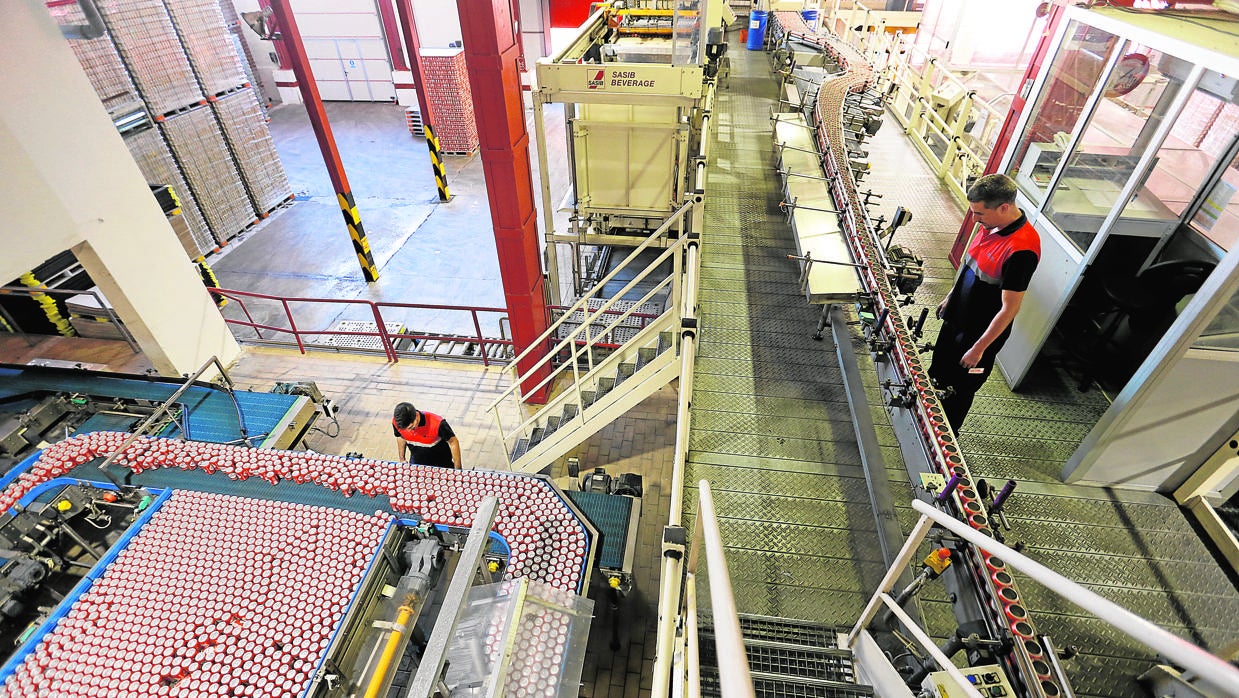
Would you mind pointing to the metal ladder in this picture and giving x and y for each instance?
(598, 344)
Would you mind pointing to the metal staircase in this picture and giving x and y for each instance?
(598, 368)
(786, 658)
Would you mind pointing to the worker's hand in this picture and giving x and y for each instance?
(941, 308)
(971, 358)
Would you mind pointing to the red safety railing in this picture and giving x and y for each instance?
(387, 339)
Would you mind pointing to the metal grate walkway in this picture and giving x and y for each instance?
(771, 429)
(772, 433)
(1135, 548)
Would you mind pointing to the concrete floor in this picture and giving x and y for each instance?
(426, 252)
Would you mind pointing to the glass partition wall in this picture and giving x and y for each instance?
(1098, 113)
(1126, 158)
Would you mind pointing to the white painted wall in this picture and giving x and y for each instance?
(438, 23)
(535, 21)
(69, 182)
(1160, 443)
(1181, 405)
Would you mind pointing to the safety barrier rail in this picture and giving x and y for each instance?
(673, 621)
(1203, 666)
(386, 339)
(637, 322)
(733, 664)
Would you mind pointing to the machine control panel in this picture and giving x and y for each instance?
(990, 680)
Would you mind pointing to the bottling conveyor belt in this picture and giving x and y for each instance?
(178, 611)
(211, 592)
(210, 414)
(770, 434)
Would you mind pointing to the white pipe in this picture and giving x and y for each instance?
(688, 358)
(1209, 668)
(668, 610)
(928, 643)
(733, 664)
(691, 650)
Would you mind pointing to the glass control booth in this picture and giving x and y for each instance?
(1126, 157)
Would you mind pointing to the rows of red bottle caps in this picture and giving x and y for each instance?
(934, 429)
(216, 595)
(539, 651)
(548, 543)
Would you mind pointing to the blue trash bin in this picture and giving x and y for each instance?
(810, 17)
(757, 29)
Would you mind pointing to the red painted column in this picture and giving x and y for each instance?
(391, 32)
(490, 30)
(280, 52)
(291, 39)
(414, 47)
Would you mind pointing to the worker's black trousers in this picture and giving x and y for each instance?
(946, 372)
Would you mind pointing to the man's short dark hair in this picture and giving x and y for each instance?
(404, 414)
(993, 190)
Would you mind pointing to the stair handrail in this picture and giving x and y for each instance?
(583, 300)
(1208, 668)
(608, 326)
(578, 379)
(590, 342)
(734, 678)
(672, 251)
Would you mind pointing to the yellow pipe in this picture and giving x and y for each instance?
(393, 643)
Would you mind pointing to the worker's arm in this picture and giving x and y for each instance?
(454, 444)
(400, 450)
(1011, 301)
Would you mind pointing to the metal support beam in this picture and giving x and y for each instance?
(431, 667)
(291, 39)
(413, 46)
(391, 33)
(889, 537)
(492, 50)
(281, 52)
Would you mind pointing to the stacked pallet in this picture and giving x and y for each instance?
(195, 139)
(102, 64)
(413, 119)
(155, 160)
(147, 41)
(447, 87)
(174, 57)
(89, 316)
(245, 127)
(211, 52)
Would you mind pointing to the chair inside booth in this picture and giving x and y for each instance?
(1125, 304)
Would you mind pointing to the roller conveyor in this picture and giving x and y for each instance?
(205, 535)
(179, 610)
(271, 419)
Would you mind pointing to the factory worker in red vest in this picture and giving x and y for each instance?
(424, 438)
(987, 295)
